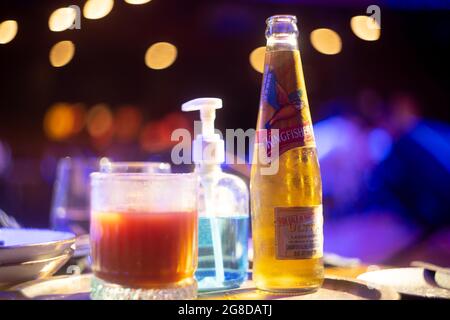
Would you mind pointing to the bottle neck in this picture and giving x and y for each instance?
(282, 33)
(289, 43)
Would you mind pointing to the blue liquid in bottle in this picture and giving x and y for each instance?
(233, 232)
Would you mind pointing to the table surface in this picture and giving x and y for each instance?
(340, 283)
(350, 272)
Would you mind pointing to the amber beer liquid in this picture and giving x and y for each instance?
(286, 204)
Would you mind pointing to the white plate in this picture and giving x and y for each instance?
(34, 270)
(83, 247)
(407, 281)
(25, 245)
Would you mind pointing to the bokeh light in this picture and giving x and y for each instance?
(326, 41)
(62, 19)
(156, 135)
(160, 55)
(99, 121)
(137, 1)
(8, 31)
(62, 53)
(127, 123)
(365, 28)
(102, 143)
(177, 120)
(257, 59)
(59, 122)
(97, 9)
(79, 113)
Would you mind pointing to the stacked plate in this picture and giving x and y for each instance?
(31, 254)
(418, 282)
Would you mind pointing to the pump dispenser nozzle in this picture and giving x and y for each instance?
(207, 108)
(208, 147)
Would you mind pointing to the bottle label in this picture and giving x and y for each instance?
(298, 233)
(287, 138)
(284, 104)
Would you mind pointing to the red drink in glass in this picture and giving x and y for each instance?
(143, 234)
(144, 249)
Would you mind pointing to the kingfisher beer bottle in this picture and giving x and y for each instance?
(286, 187)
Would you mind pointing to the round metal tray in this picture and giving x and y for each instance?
(334, 288)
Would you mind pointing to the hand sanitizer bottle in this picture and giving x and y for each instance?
(223, 207)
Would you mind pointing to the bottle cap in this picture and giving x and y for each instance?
(208, 147)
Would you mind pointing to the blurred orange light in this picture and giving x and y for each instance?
(257, 59)
(59, 122)
(101, 143)
(97, 9)
(154, 137)
(176, 120)
(160, 55)
(79, 112)
(326, 41)
(8, 31)
(365, 28)
(99, 121)
(62, 19)
(61, 53)
(128, 121)
(137, 1)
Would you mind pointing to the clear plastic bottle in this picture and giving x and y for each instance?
(223, 208)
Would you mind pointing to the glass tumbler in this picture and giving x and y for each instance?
(70, 204)
(143, 235)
